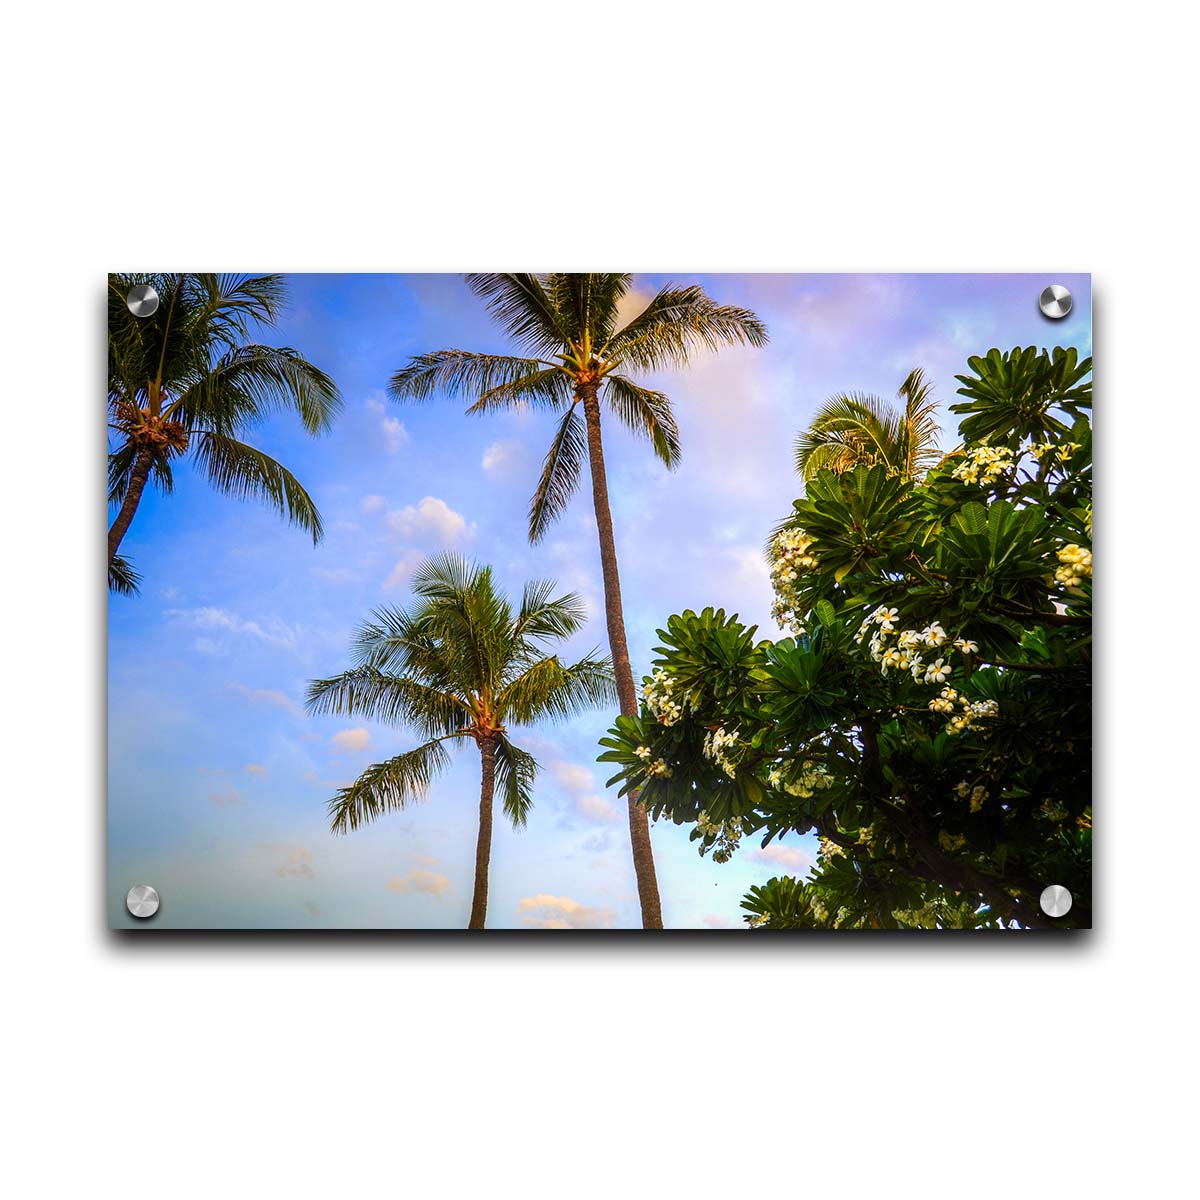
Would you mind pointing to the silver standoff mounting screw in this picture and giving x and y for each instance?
(142, 300)
(1055, 901)
(1055, 302)
(142, 901)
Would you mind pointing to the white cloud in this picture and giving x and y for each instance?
(631, 305)
(715, 922)
(372, 504)
(596, 808)
(432, 519)
(254, 769)
(392, 429)
(394, 433)
(403, 570)
(274, 631)
(785, 856)
(579, 783)
(351, 741)
(420, 880)
(561, 912)
(271, 696)
(500, 457)
(334, 575)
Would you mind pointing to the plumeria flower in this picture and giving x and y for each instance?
(967, 647)
(937, 672)
(934, 635)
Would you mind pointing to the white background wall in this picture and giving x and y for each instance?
(652, 136)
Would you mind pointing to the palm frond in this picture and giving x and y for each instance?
(466, 616)
(859, 426)
(446, 577)
(122, 578)
(678, 322)
(391, 643)
(550, 387)
(516, 771)
(522, 305)
(588, 303)
(548, 690)
(242, 471)
(853, 428)
(250, 382)
(920, 423)
(560, 474)
(544, 617)
(120, 467)
(647, 413)
(461, 372)
(394, 699)
(387, 786)
(241, 300)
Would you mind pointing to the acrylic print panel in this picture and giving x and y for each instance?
(370, 665)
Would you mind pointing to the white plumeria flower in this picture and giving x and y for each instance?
(934, 635)
(937, 672)
(967, 647)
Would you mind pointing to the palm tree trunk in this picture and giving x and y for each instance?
(639, 824)
(483, 848)
(133, 496)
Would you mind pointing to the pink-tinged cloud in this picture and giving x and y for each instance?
(579, 783)
(544, 911)
(419, 880)
(297, 864)
(788, 857)
(269, 696)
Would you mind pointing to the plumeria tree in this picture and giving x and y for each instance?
(929, 718)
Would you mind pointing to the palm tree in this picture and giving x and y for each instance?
(580, 353)
(187, 380)
(460, 665)
(852, 428)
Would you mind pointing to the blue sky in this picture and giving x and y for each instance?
(218, 780)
